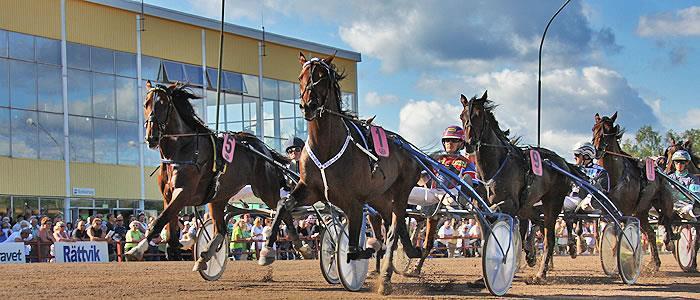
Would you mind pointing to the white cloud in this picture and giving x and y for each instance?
(375, 99)
(422, 122)
(684, 22)
(691, 119)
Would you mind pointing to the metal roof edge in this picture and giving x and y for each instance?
(166, 13)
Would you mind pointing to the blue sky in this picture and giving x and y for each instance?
(636, 57)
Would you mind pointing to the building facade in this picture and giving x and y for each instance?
(72, 77)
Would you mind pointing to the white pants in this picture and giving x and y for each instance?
(572, 203)
(247, 192)
(425, 196)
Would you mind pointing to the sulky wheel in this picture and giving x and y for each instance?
(629, 253)
(217, 264)
(685, 250)
(499, 260)
(608, 250)
(327, 253)
(352, 274)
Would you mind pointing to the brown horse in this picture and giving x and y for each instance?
(630, 190)
(505, 168)
(349, 180)
(680, 145)
(189, 174)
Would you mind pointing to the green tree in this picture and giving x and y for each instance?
(647, 142)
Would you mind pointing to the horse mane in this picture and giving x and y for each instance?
(339, 76)
(181, 95)
(504, 136)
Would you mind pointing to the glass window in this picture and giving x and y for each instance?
(24, 134)
(79, 93)
(348, 101)
(4, 82)
(269, 109)
(5, 206)
(212, 77)
(3, 43)
(251, 85)
(234, 108)
(249, 108)
(287, 109)
(23, 83)
(150, 68)
(48, 51)
(235, 126)
(21, 46)
(103, 96)
(78, 56)
(233, 82)
(128, 143)
(174, 71)
(50, 136)
(80, 140)
(105, 141)
(24, 205)
(211, 106)
(52, 206)
(270, 89)
(269, 128)
(151, 157)
(127, 100)
(301, 127)
(102, 60)
(78, 202)
(198, 106)
(194, 74)
(50, 89)
(287, 128)
(4, 132)
(286, 91)
(125, 64)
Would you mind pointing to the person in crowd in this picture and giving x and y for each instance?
(187, 237)
(119, 228)
(18, 220)
(310, 230)
(3, 235)
(561, 235)
(6, 228)
(69, 228)
(239, 235)
(142, 220)
(80, 231)
(60, 233)
(133, 236)
(267, 229)
(474, 241)
(588, 238)
(157, 246)
(45, 237)
(22, 236)
(96, 232)
(35, 225)
(445, 241)
(578, 200)
(257, 235)
(682, 205)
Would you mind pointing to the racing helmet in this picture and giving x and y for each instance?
(586, 149)
(453, 132)
(681, 155)
(292, 143)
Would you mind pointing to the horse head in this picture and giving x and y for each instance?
(474, 121)
(606, 134)
(156, 111)
(318, 83)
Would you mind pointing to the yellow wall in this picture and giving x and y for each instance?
(240, 53)
(32, 177)
(20, 16)
(109, 181)
(172, 40)
(100, 26)
(152, 191)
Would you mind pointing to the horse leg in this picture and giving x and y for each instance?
(353, 210)
(376, 222)
(431, 226)
(267, 254)
(170, 212)
(550, 219)
(173, 247)
(655, 262)
(216, 209)
(527, 233)
(571, 241)
(384, 287)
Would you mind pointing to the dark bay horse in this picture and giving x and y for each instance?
(188, 174)
(505, 168)
(345, 177)
(630, 190)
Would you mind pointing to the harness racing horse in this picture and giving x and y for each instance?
(510, 184)
(680, 145)
(335, 168)
(189, 172)
(630, 190)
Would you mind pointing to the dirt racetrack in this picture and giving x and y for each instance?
(443, 278)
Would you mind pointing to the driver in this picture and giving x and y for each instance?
(597, 176)
(428, 193)
(684, 206)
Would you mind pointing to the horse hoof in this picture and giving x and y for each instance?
(535, 280)
(572, 252)
(652, 267)
(267, 256)
(413, 252)
(669, 246)
(384, 288)
(199, 265)
(306, 252)
(531, 261)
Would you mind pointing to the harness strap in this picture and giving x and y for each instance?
(363, 149)
(323, 166)
(213, 146)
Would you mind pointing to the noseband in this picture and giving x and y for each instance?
(603, 144)
(153, 119)
(314, 102)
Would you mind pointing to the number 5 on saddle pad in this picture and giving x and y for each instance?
(536, 162)
(228, 147)
(381, 146)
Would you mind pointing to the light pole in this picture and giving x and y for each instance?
(539, 73)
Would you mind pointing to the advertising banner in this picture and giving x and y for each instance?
(12, 253)
(81, 252)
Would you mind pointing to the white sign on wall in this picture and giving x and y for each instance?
(12, 253)
(81, 252)
(77, 191)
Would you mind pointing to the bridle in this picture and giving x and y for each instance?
(314, 102)
(601, 148)
(476, 141)
(153, 119)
